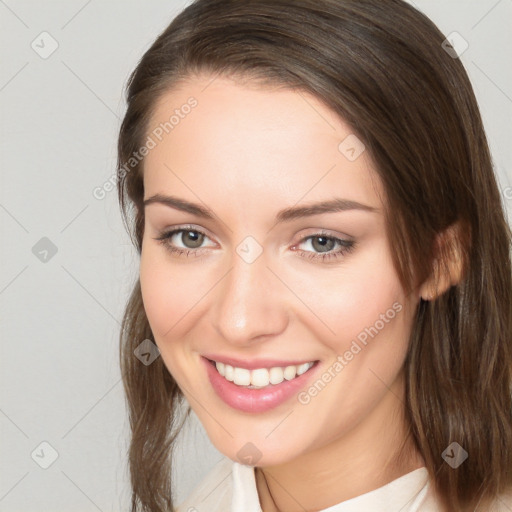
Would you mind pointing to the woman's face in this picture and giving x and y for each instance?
(267, 278)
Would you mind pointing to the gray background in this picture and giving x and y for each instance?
(59, 318)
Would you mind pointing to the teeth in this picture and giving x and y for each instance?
(303, 368)
(276, 375)
(242, 377)
(290, 372)
(261, 377)
(229, 372)
(221, 368)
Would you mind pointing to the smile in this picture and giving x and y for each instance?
(260, 377)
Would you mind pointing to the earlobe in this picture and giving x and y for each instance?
(448, 266)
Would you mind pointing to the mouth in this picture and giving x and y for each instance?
(260, 378)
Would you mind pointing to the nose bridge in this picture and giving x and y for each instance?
(248, 304)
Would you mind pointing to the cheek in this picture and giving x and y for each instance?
(368, 304)
(169, 299)
(165, 294)
(175, 295)
(356, 301)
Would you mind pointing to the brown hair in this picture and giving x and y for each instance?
(381, 67)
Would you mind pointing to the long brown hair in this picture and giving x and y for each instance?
(380, 65)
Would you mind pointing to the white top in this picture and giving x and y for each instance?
(231, 487)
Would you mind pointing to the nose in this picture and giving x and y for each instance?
(250, 304)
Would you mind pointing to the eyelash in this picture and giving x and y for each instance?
(347, 246)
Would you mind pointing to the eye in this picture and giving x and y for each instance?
(191, 240)
(325, 245)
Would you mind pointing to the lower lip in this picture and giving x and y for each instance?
(256, 400)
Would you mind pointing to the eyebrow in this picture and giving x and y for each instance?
(287, 214)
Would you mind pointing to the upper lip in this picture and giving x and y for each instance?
(253, 364)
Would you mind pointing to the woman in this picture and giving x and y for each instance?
(325, 263)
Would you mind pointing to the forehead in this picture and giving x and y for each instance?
(244, 144)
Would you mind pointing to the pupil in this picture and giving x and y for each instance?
(196, 239)
(323, 243)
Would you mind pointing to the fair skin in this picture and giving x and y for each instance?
(246, 152)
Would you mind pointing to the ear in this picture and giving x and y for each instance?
(447, 268)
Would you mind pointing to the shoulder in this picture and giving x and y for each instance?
(503, 502)
(214, 491)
